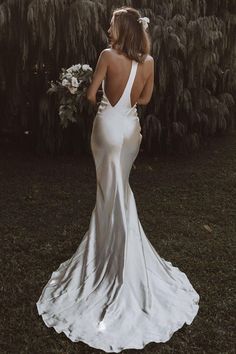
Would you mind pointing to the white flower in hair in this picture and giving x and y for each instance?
(144, 21)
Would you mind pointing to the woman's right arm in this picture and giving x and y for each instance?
(146, 93)
(98, 75)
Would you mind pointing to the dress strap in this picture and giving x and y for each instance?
(130, 82)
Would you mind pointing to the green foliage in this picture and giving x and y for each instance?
(193, 44)
(151, 132)
(195, 82)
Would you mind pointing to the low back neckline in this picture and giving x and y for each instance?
(128, 86)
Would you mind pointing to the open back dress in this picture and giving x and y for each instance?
(116, 292)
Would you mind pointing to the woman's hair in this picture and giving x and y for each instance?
(130, 35)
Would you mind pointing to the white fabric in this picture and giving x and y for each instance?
(116, 292)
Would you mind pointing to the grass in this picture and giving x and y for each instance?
(45, 210)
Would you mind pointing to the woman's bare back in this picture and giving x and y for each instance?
(117, 76)
(114, 69)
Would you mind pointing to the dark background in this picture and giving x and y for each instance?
(194, 46)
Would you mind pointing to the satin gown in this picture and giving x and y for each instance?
(116, 292)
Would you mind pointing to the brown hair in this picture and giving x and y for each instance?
(130, 35)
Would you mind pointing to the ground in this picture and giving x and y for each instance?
(187, 207)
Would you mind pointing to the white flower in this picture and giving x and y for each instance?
(68, 75)
(72, 68)
(65, 82)
(76, 67)
(144, 21)
(74, 82)
(86, 67)
(73, 90)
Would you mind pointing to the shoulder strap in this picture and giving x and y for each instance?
(132, 76)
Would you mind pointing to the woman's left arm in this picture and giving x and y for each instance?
(98, 76)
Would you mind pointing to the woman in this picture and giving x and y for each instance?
(115, 62)
(116, 292)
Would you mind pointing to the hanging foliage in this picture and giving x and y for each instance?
(193, 45)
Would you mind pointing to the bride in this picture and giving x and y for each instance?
(116, 292)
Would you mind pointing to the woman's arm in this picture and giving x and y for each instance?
(146, 93)
(98, 76)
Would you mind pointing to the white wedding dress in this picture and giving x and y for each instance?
(116, 292)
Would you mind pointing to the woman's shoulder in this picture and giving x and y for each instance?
(148, 58)
(148, 63)
(112, 54)
(108, 55)
(109, 52)
(148, 66)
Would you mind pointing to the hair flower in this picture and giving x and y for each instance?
(144, 21)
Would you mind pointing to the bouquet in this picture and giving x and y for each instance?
(71, 90)
(69, 77)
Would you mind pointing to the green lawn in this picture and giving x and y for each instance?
(45, 210)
